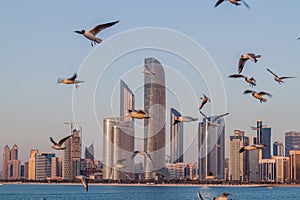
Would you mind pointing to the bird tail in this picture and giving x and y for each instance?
(257, 56)
(242, 149)
(263, 100)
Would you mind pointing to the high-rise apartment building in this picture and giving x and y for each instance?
(292, 142)
(238, 162)
(176, 137)
(32, 164)
(211, 149)
(295, 165)
(278, 149)
(127, 99)
(89, 152)
(43, 165)
(155, 105)
(264, 137)
(5, 159)
(72, 156)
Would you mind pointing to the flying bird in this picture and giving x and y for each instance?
(254, 128)
(184, 119)
(258, 95)
(138, 114)
(84, 181)
(58, 146)
(235, 2)
(279, 79)
(71, 80)
(224, 196)
(143, 153)
(250, 80)
(91, 34)
(246, 57)
(213, 122)
(252, 147)
(204, 99)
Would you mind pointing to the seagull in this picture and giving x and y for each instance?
(250, 80)
(213, 122)
(258, 95)
(200, 197)
(279, 79)
(84, 180)
(91, 34)
(147, 70)
(184, 119)
(254, 128)
(252, 147)
(204, 99)
(71, 80)
(235, 2)
(58, 146)
(143, 153)
(246, 57)
(224, 196)
(138, 114)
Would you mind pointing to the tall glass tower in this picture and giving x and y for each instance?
(176, 138)
(211, 149)
(155, 105)
(126, 99)
(292, 142)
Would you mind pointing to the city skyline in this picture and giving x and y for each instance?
(34, 107)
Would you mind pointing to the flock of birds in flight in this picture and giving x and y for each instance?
(142, 114)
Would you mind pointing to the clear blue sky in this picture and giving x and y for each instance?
(38, 46)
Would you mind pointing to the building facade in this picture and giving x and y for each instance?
(176, 138)
(295, 165)
(211, 149)
(127, 99)
(43, 165)
(238, 162)
(292, 142)
(278, 149)
(5, 159)
(32, 164)
(155, 105)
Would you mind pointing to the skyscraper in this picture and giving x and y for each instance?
(118, 144)
(278, 149)
(211, 149)
(126, 99)
(89, 152)
(14, 152)
(5, 159)
(238, 162)
(292, 142)
(264, 137)
(155, 105)
(43, 165)
(32, 164)
(72, 156)
(295, 165)
(176, 138)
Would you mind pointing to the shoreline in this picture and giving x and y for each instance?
(157, 185)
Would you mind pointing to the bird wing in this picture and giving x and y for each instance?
(236, 76)
(247, 6)
(60, 143)
(241, 64)
(134, 154)
(271, 72)
(203, 115)
(252, 57)
(142, 112)
(218, 2)
(248, 91)
(51, 139)
(253, 128)
(219, 117)
(101, 27)
(265, 93)
(200, 197)
(149, 157)
(285, 77)
(73, 77)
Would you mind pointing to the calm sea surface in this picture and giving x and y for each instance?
(77, 192)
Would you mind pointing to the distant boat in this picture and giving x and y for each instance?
(1, 184)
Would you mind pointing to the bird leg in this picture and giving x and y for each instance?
(92, 44)
(76, 86)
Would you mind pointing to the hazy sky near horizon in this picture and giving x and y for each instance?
(38, 46)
